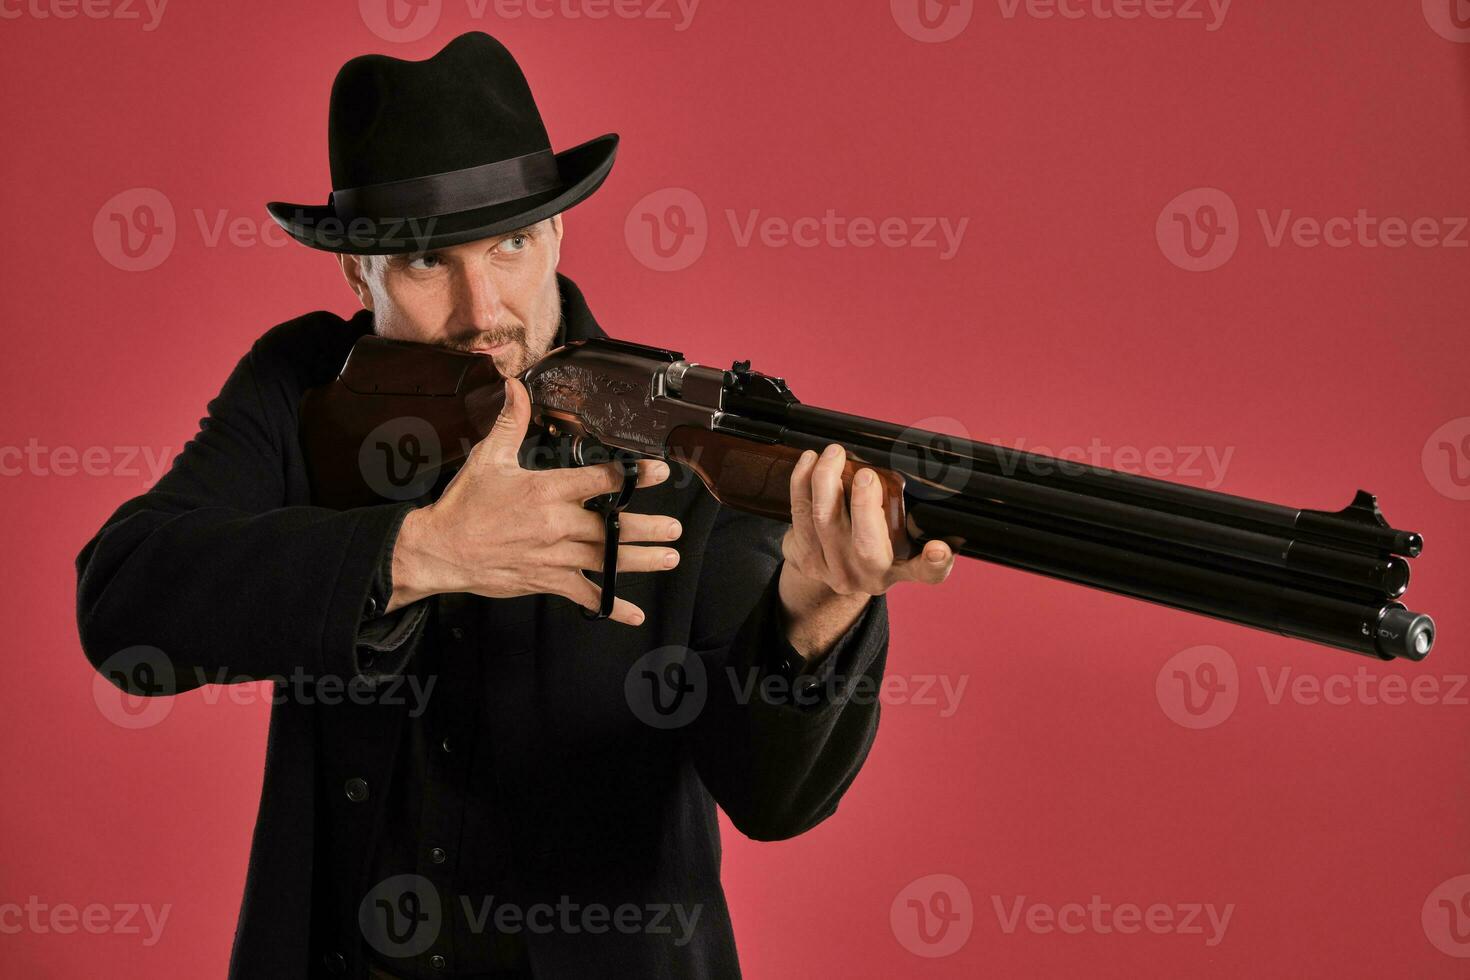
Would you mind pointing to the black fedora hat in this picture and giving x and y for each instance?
(427, 154)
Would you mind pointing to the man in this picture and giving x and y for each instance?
(514, 816)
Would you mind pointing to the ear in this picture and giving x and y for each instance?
(354, 270)
(556, 227)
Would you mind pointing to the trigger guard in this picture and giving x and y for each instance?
(610, 505)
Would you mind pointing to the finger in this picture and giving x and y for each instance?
(503, 444)
(829, 508)
(929, 567)
(652, 472)
(588, 595)
(870, 538)
(631, 557)
(647, 527)
(573, 522)
(584, 482)
(577, 523)
(803, 532)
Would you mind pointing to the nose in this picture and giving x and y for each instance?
(479, 302)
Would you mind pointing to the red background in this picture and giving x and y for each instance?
(1060, 320)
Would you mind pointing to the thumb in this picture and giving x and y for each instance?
(503, 444)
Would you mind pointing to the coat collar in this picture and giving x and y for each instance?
(577, 322)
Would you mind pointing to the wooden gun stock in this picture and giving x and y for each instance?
(756, 477)
(397, 416)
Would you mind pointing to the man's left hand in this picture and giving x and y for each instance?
(839, 556)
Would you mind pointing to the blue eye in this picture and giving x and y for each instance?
(423, 263)
(516, 243)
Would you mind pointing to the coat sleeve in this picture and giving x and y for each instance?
(777, 765)
(212, 574)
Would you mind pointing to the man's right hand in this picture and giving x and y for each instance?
(500, 530)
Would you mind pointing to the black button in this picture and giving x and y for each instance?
(371, 607)
(335, 963)
(446, 745)
(806, 684)
(457, 633)
(366, 661)
(437, 962)
(437, 855)
(357, 789)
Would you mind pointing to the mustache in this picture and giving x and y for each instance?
(487, 339)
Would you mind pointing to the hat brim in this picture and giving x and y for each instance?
(583, 168)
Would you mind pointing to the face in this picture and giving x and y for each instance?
(496, 296)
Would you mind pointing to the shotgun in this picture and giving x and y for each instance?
(401, 416)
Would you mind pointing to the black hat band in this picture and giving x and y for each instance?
(456, 190)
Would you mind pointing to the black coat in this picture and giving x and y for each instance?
(228, 570)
